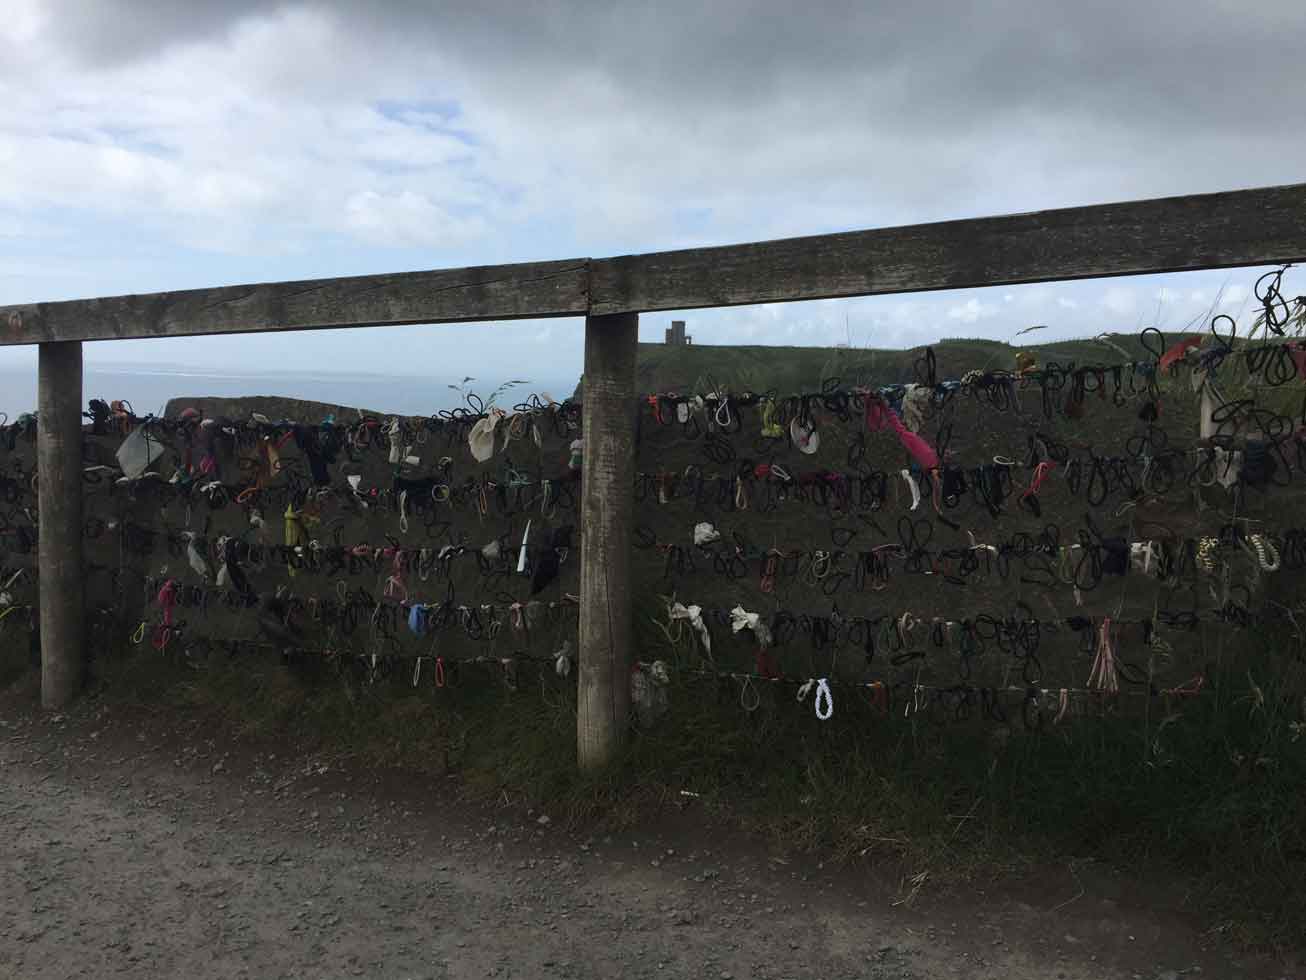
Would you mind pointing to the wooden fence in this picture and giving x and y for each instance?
(1209, 231)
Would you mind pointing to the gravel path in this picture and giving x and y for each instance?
(153, 853)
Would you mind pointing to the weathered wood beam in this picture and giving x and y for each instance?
(502, 292)
(1205, 231)
(1263, 226)
(59, 497)
(606, 521)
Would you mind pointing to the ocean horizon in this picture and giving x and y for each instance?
(149, 387)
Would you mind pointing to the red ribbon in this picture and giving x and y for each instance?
(1177, 352)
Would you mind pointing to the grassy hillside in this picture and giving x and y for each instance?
(787, 369)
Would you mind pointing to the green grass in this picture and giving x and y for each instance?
(1211, 792)
(701, 368)
(16, 661)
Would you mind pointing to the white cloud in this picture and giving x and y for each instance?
(1120, 300)
(408, 218)
(258, 141)
(1234, 295)
(971, 311)
(21, 24)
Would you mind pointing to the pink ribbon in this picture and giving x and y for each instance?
(878, 415)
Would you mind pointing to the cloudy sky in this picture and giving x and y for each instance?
(163, 144)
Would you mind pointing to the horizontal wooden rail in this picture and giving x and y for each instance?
(1205, 231)
(494, 292)
(1173, 234)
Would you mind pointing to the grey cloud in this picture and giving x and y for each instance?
(111, 32)
(605, 119)
(1174, 63)
(877, 112)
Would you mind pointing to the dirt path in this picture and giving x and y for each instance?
(150, 853)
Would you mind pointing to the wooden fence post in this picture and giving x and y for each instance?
(607, 515)
(59, 496)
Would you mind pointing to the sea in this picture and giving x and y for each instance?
(149, 387)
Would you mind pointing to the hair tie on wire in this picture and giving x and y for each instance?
(749, 698)
(913, 486)
(1228, 468)
(824, 700)
(1264, 551)
(562, 660)
(417, 622)
(705, 533)
(1105, 674)
(694, 614)
(1030, 497)
(741, 619)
